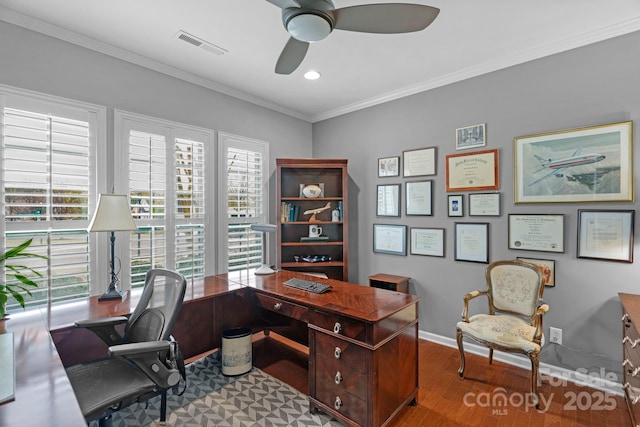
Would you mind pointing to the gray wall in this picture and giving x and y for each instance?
(594, 85)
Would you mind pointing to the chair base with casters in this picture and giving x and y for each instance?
(514, 323)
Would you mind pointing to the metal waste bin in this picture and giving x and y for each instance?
(236, 351)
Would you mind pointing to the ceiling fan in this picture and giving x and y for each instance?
(312, 20)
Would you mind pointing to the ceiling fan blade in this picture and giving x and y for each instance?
(291, 57)
(283, 4)
(385, 18)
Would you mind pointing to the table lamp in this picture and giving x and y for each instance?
(112, 214)
(264, 228)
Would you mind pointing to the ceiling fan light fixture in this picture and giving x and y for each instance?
(308, 27)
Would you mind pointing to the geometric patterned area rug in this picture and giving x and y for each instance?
(213, 399)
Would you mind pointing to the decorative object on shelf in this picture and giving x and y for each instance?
(389, 166)
(390, 239)
(335, 215)
(455, 203)
(312, 191)
(314, 212)
(315, 231)
(112, 214)
(540, 232)
(471, 242)
(591, 164)
(312, 258)
(472, 171)
(471, 137)
(606, 234)
(419, 162)
(265, 229)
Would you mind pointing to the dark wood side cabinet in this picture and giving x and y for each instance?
(296, 250)
(390, 282)
(631, 354)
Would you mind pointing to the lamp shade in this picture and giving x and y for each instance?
(112, 214)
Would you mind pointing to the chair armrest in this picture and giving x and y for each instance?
(104, 328)
(537, 321)
(468, 297)
(151, 358)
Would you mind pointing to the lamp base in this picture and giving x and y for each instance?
(112, 294)
(264, 270)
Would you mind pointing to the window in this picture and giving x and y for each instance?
(51, 176)
(244, 193)
(163, 170)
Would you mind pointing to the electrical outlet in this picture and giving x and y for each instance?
(555, 335)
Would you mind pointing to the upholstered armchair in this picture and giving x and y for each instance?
(514, 323)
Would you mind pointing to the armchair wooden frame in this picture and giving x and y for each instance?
(533, 318)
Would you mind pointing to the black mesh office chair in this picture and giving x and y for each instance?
(143, 362)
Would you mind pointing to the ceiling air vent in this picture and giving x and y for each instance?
(209, 47)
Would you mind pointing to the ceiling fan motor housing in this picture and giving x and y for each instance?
(311, 22)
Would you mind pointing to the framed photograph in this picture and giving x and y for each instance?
(388, 201)
(427, 241)
(592, 164)
(455, 204)
(606, 235)
(471, 137)
(419, 162)
(472, 171)
(484, 204)
(389, 166)
(472, 242)
(540, 232)
(390, 239)
(418, 197)
(546, 266)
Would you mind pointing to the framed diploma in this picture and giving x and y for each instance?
(472, 242)
(419, 162)
(484, 204)
(427, 241)
(606, 235)
(388, 200)
(472, 171)
(544, 232)
(418, 198)
(390, 239)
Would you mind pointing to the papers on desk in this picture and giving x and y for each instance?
(7, 368)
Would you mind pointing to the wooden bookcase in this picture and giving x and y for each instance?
(331, 176)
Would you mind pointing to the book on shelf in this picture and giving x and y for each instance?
(314, 239)
(289, 212)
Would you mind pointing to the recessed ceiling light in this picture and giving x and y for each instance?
(312, 75)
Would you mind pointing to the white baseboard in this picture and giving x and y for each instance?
(556, 372)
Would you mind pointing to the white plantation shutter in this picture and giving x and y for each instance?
(245, 190)
(49, 183)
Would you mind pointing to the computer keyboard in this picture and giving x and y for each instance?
(307, 285)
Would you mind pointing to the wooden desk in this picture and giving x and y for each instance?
(378, 329)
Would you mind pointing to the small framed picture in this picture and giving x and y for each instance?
(471, 137)
(427, 241)
(546, 266)
(455, 204)
(390, 239)
(389, 166)
(484, 204)
(388, 200)
(606, 235)
(472, 242)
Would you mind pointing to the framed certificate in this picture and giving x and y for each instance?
(427, 241)
(388, 166)
(484, 204)
(418, 198)
(472, 242)
(419, 162)
(390, 239)
(606, 235)
(472, 171)
(388, 200)
(544, 232)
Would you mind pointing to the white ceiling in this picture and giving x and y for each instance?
(468, 38)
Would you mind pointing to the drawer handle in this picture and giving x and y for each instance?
(633, 343)
(337, 352)
(337, 328)
(338, 378)
(277, 306)
(338, 403)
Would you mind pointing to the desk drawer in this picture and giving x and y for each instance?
(341, 325)
(341, 401)
(343, 352)
(283, 307)
(342, 376)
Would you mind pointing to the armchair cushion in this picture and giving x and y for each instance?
(502, 330)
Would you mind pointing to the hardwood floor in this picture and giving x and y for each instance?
(445, 399)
